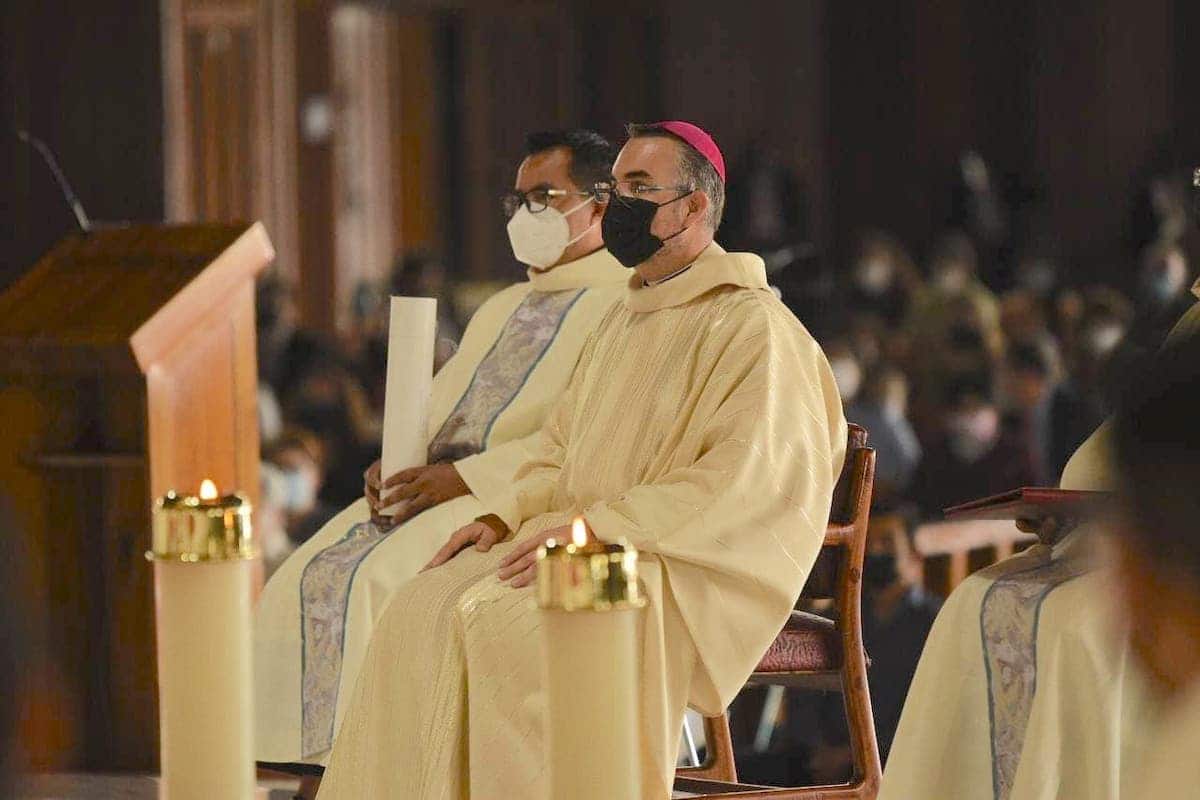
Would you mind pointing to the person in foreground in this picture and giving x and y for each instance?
(704, 427)
(316, 614)
(1157, 555)
(1022, 690)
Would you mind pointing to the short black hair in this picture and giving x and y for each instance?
(592, 155)
(695, 168)
(1029, 358)
(1156, 444)
(966, 386)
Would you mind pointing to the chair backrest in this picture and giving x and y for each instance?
(843, 508)
(848, 516)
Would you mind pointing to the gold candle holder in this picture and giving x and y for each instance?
(204, 527)
(203, 552)
(590, 599)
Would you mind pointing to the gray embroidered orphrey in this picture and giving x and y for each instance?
(328, 578)
(1008, 620)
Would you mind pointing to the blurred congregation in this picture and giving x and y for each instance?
(983, 213)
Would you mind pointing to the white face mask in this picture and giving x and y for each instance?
(972, 435)
(874, 276)
(540, 239)
(847, 375)
(301, 494)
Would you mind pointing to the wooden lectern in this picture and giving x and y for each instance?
(127, 368)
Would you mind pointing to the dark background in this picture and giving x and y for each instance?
(869, 104)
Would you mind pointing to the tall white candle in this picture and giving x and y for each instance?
(203, 575)
(591, 606)
(412, 331)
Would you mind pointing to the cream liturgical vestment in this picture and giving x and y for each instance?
(317, 613)
(1025, 690)
(1171, 768)
(704, 427)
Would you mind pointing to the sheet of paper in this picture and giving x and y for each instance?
(412, 330)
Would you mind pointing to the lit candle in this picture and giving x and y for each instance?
(204, 559)
(590, 601)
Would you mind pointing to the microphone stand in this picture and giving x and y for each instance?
(81, 217)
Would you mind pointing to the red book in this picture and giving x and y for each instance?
(1033, 503)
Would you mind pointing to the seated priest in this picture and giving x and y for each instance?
(1022, 689)
(489, 401)
(1157, 553)
(704, 427)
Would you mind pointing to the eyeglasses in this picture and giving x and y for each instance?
(536, 200)
(635, 189)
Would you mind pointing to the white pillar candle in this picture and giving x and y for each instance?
(203, 576)
(590, 604)
(412, 331)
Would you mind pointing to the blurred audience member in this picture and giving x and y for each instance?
(763, 211)
(270, 518)
(419, 273)
(1027, 383)
(324, 398)
(1037, 275)
(280, 339)
(952, 274)
(847, 372)
(980, 209)
(270, 414)
(884, 278)
(968, 344)
(1023, 320)
(882, 410)
(298, 457)
(1164, 282)
(973, 457)
(1160, 207)
(871, 341)
(1080, 403)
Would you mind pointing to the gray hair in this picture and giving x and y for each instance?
(693, 166)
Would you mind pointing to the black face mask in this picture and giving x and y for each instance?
(626, 229)
(879, 570)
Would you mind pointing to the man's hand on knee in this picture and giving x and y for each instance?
(483, 533)
(520, 565)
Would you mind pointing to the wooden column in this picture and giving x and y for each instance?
(363, 43)
(520, 72)
(229, 123)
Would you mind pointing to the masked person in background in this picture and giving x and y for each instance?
(704, 427)
(974, 457)
(884, 278)
(488, 403)
(953, 280)
(1162, 294)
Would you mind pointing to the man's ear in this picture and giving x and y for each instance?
(698, 204)
(598, 210)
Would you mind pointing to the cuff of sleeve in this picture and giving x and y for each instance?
(608, 525)
(498, 497)
(503, 529)
(507, 510)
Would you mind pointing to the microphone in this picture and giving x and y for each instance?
(81, 216)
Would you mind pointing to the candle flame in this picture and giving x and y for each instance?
(579, 534)
(208, 490)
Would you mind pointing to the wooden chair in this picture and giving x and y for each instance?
(814, 652)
